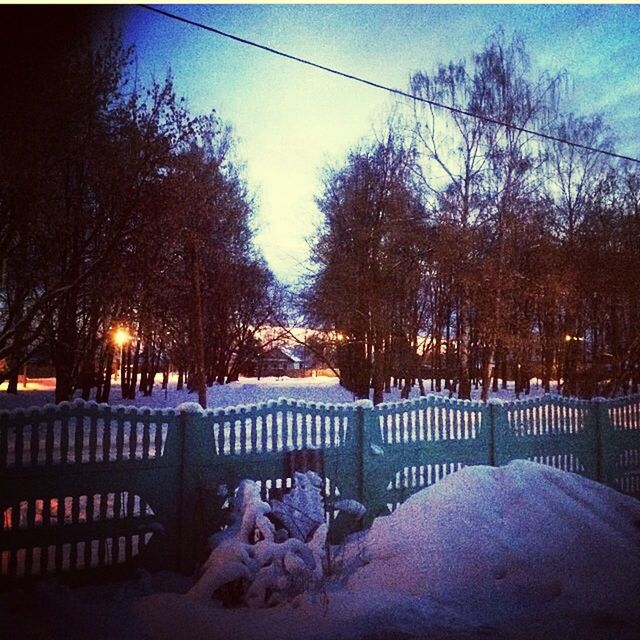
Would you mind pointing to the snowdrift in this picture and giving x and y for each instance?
(522, 551)
(521, 541)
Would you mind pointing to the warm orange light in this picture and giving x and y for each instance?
(121, 336)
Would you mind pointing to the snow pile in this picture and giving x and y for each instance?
(522, 551)
(508, 541)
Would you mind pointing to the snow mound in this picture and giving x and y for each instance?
(522, 551)
(508, 541)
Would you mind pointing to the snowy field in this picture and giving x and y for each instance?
(246, 391)
(522, 551)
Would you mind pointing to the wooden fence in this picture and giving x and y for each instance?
(94, 491)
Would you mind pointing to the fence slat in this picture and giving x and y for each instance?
(34, 444)
(119, 433)
(79, 439)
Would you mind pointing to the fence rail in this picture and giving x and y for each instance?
(89, 489)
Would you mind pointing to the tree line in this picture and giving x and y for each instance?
(470, 252)
(453, 248)
(120, 214)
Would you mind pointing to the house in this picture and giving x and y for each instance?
(278, 362)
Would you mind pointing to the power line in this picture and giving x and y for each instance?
(377, 85)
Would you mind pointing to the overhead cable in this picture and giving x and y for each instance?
(377, 85)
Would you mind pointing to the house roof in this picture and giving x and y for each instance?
(290, 355)
(280, 353)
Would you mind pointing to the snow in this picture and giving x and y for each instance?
(290, 355)
(511, 540)
(273, 565)
(247, 391)
(521, 551)
(352, 507)
(301, 510)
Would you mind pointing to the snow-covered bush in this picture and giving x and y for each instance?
(271, 552)
(301, 511)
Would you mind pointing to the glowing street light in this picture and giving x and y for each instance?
(121, 337)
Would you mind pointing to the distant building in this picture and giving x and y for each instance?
(39, 365)
(278, 362)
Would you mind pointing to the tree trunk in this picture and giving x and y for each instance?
(63, 362)
(133, 383)
(464, 390)
(437, 361)
(494, 373)
(199, 382)
(124, 371)
(378, 375)
(144, 370)
(165, 377)
(488, 366)
(12, 385)
(106, 387)
(447, 356)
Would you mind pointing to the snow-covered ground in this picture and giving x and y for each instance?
(522, 551)
(246, 391)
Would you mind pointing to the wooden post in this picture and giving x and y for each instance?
(346, 468)
(602, 441)
(489, 419)
(186, 560)
(195, 478)
(499, 436)
(372, 462)
(594, 422)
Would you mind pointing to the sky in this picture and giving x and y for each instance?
(291, 121)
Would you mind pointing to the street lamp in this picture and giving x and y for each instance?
(120, 337)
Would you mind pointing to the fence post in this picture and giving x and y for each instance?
(346, 470)
(498, 433)
(591, 455)
(372, 481)
(193, 446)
(605, 472)
(361, 406)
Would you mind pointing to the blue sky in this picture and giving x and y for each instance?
(292, 120)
